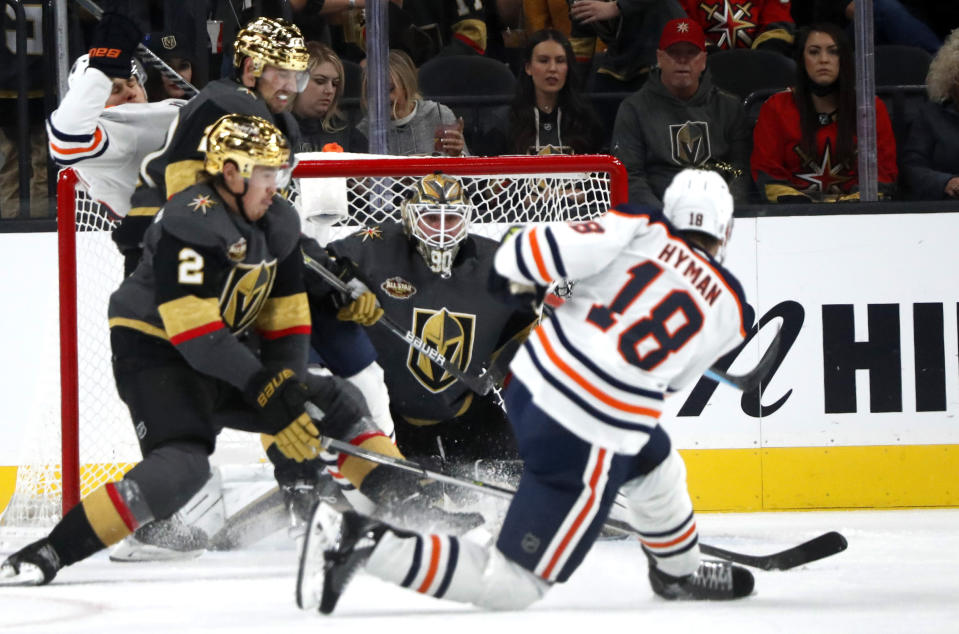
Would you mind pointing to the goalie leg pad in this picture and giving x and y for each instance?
(370, 382)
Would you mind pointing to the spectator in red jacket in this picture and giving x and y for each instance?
(804, 143)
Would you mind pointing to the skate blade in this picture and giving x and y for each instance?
(133, 551)
(324, 526)
(29, 575)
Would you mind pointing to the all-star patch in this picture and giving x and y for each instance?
(237, 250)
(398, 288)
(370, 233)
(201, 203)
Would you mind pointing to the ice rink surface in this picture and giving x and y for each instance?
(900, 574)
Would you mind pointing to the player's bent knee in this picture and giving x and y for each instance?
(509, 586)
(170, 475)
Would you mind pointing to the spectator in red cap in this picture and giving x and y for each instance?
(679, 119)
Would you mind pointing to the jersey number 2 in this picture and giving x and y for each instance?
(649, 341)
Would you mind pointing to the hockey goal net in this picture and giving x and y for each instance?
(92, 441)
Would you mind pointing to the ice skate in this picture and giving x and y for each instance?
(336, 545)
(712, 581)
(162, 540)
(33, 565)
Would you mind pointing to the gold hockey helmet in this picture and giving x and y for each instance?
(248, 141)
(272, 42)
(437, 216)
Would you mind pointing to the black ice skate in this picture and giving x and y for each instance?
(712, 581)
(336, 545)
(33, 565)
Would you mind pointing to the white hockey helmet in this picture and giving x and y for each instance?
(699, 200)
(81, 64)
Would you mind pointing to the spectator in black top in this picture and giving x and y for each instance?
(317, 107)
(930, 153)
(178, 51)
(549, 115)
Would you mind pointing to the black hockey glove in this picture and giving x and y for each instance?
(340, 401)
(114, 40)
(280, 399)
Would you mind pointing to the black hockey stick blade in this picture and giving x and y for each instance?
(825, 545)
(751, 380)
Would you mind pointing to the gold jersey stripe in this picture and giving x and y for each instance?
(188, 313)
(142, 326)
(181, 175)
(143, 211)
(284, 313)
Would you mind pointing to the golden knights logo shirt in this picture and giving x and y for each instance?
(208, 276)
(456, 316)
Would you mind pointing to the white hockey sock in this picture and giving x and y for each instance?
(658, 506)
(447, 567)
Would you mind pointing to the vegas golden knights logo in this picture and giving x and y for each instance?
(690, 143)
(245, 293)
(451, 334)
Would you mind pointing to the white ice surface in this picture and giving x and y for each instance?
(900, 574)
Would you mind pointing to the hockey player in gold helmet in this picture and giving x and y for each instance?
(278, 60)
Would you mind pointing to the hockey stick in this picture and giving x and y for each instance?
(751, 380)
(481, 384)
(823, 546)
(148, 57)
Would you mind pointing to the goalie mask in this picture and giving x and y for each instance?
(699, 200)
(248, 141)
(437, 217)
(273, 42)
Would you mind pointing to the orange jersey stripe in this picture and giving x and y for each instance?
(582, 514)
(671, 542)
(97, 138)
(538, 255)
(434, 564)
(586, 385)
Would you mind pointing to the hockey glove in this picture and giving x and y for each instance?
(114, 40)
(341, 403)
(364, 310)
(280, 399)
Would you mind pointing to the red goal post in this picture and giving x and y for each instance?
(505, 190)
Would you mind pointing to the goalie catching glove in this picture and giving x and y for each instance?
(280, 400)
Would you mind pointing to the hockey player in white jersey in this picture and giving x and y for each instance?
(653, 308)
(104, 126)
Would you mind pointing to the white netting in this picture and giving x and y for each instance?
(107, 443)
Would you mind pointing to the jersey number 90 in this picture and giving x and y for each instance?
(671, 324)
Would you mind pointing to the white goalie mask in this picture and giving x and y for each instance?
(699, 200)
(437, 217)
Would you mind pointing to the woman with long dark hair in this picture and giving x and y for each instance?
(549, 114)
(804, 143)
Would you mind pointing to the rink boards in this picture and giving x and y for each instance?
(860, 412)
